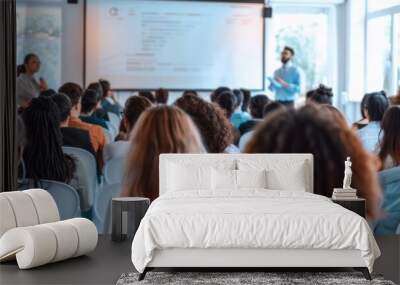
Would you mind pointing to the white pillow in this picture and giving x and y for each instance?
(224, 179)
(290, 179)
(183, 177)
(251, 178)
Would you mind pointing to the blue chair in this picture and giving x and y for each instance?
(102, 207)
(398, 230)
(115, 120)
(390, 183)
(112, 130)
(86, 166)
(66, 198)
(113, 171)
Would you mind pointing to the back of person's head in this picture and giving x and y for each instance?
(321, 95)
(216, 92)
(149, 95)
(390, 143)
(363, 106)
(105, 87)
(162, 96)
(214, 127)
(134, 107)
(227, 101)
(73, 91)
(98, 88)
(43, 155)
(90, 99)
(48, 93)
(246, 100)
(257, 104)
(64, 105)
(271, 107)
(239, 97)
(377, 104)
(309, 130)
(190, 92)
(161, 129)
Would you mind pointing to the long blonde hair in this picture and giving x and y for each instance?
(161, 129)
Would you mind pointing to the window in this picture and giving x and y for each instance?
(310, 32)
(379, 63)
(383, 41)
(39, 31)
(375, 5)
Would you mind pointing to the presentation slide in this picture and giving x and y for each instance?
(174, 44)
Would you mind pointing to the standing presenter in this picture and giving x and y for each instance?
(286, 80)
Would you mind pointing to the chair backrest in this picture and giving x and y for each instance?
(86, 168)
(390, 183)
(102, 207)
(113, 171)
(66, 198)
(114, 119)
(112, 130)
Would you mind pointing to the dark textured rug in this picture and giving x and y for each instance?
(269, 278)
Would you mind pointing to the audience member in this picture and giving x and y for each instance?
(216, 92)
(246, 100)
(214, 127)
(48, 93)
(363, 111)
(239, 117)
(377, 104)
(73, 137)
(99, 112)
(43, 155)
(390, 144)
(27, 87)
(257, 104)
(109, 101)
(162, 129)
(227, 101)
(272, 107)
(246, 129)
(90, 103)
(97, 135)
(134, 107)
(190, 92)
(321, 95)
(162, 96)
(295, 131)
(148, 95)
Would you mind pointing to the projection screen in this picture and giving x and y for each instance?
(175, 45)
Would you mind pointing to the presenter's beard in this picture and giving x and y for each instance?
(284, 60)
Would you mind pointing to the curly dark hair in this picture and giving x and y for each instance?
(211, 121)
(315, 129)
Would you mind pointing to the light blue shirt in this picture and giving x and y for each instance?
(370, 136)
(239, 118)
(290, 74)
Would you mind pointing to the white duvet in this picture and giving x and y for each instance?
(250, 219)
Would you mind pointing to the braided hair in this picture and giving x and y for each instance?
(43, 155)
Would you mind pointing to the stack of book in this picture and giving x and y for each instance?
(344, 194)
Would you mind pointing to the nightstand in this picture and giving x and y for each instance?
(356, 205)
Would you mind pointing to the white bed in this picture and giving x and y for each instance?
(229, 220)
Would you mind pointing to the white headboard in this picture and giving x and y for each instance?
(274, 161)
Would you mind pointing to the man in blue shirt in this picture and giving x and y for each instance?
(286, 80)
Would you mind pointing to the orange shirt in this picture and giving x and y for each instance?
(96, 133)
